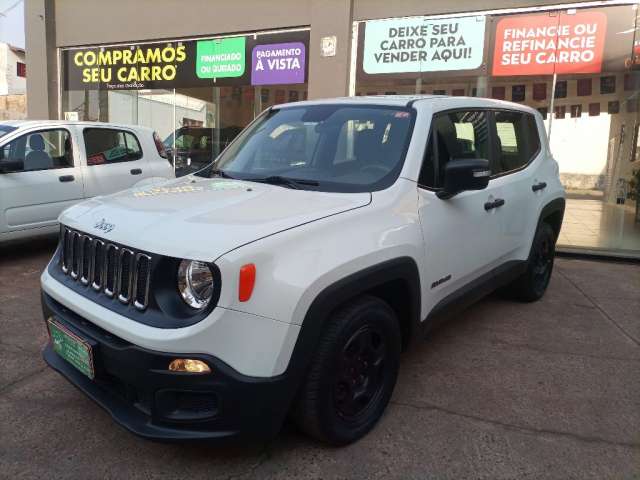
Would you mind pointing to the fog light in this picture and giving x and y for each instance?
(189, 365)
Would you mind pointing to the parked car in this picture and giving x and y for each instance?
(196, 147)
(47, 166)
(287, 277)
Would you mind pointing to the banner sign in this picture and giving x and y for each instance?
(220, 58)
(127, 67)
(279, 63)
(544, 44)
(277, 58)
(423, 45)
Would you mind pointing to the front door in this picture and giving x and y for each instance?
(462, 234)
(33, 196)
(115, 160)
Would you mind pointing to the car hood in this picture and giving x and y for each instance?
(203, 218)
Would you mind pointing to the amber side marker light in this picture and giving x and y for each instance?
(189, 365)
(247, 281)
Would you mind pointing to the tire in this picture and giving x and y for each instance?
(533, 283)
(352, 374)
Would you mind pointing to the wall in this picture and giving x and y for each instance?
(42, 73)
(51, 24)
(13, 107)
(10, 83)
(153, 111)
(126, 20)
(369, 9)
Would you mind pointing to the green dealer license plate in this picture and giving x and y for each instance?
(72, 348)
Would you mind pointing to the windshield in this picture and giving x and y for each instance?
(4, 129)
(338, 148)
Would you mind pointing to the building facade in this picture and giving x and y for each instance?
(13, 70)
(198, 72)
(13, 84)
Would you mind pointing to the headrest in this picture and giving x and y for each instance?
(36, 142)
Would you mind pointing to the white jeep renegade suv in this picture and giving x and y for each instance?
(287, 276)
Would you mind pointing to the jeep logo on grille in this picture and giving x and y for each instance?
(104, 226)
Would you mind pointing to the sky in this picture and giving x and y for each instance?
(12, 22)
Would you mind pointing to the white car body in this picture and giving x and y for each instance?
(306, 244)
(32, 200)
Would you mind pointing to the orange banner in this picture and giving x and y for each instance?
(544, 44)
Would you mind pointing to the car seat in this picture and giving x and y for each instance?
(37, 158)
(367, 147)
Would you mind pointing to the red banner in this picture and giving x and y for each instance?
(544, 44)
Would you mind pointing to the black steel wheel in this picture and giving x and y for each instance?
(542, 263)
(361, 373)
(533, 283)
(353, 373)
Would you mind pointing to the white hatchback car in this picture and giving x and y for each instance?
(47, 166)
(287, 276)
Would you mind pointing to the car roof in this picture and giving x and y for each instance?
(442, 101)
(49, 123)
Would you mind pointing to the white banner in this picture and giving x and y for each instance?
(420, 44)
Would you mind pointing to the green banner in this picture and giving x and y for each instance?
(220, 58)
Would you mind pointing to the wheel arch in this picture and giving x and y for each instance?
(395, 281)
(553, 213)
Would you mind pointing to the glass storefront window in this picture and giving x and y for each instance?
(196, 94)
(580, 68)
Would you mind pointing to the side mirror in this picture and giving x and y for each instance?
(463, 175)
(11, 165)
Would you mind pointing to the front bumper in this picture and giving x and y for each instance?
(133, 384)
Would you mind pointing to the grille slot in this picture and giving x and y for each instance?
(111, 269)
(125, 275)
(97, 264)
(141, 281)
(85, 258)
(75, 254)
(108, 268)
(65, 251)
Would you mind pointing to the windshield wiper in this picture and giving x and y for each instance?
(216, 172)
(285, 181)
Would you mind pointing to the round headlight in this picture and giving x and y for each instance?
(195, 283)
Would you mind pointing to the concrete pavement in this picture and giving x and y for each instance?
(507, 390)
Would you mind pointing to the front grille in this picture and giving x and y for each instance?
(118, 272)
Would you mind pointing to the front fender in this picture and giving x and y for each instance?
(293, 267)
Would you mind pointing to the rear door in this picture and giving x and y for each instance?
(518, 158)
(114, 160)
(51, 180)
(462, 237)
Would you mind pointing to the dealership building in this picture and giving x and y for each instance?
(198, 72)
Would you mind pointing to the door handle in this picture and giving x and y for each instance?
(136, 171)
(66, 178)
(498, 202)
(539, 186)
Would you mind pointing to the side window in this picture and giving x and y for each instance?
(43, 150)
(184, 141)
(134, 152)
(517, 139)
(105, 146)
(454, 136)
